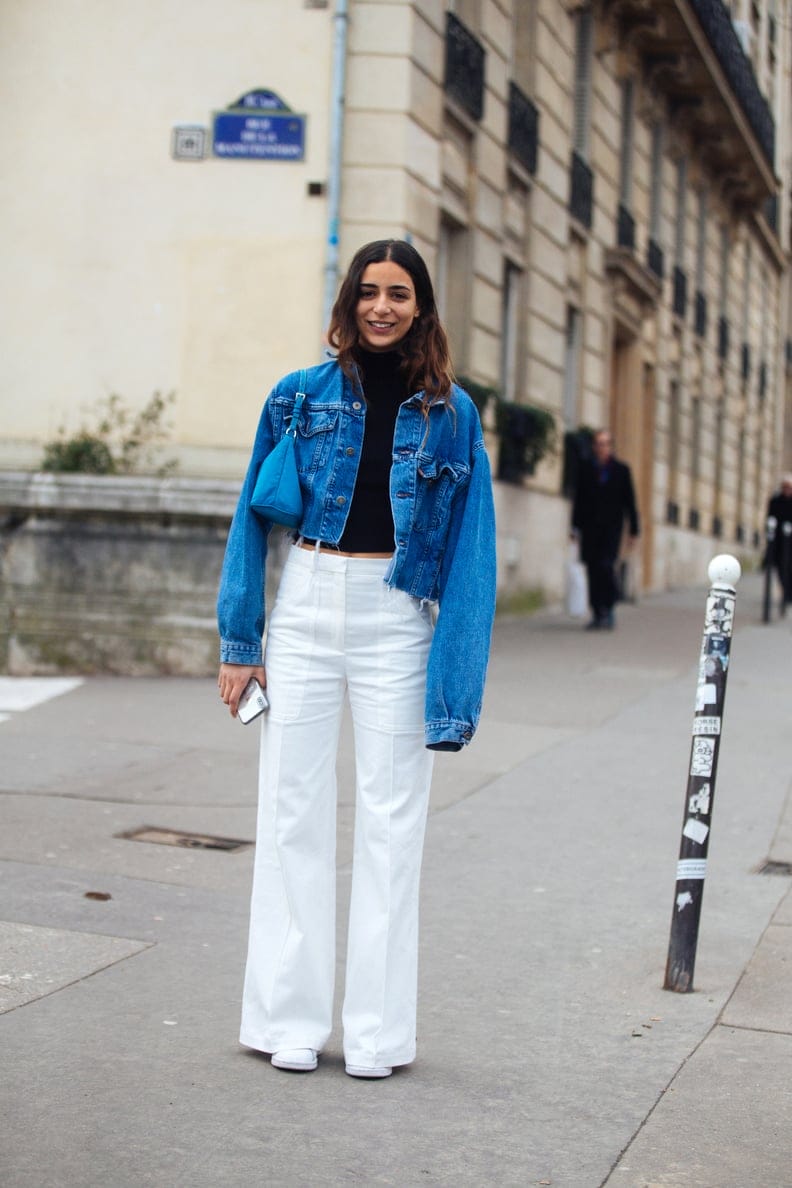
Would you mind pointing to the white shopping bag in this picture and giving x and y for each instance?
(576, 583)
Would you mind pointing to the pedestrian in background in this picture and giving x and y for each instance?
(779, 550)
(398, 524)
(604, 499)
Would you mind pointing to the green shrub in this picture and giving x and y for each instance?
(117, 441)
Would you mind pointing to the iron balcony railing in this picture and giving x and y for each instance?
(716, 22)
(523, 128)
(581, 190)
(464, 67)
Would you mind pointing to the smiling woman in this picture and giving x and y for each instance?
(397, 515)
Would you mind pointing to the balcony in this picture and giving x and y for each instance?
(691, 53)
(523, 138)
(464, 67)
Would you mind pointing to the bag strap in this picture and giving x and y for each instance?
(299, 397)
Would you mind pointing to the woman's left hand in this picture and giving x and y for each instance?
(233, 678)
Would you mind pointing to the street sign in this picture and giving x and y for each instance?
(261, 127)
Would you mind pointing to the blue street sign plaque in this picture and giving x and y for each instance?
(261, 135)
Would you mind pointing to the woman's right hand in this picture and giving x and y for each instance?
(233, 678)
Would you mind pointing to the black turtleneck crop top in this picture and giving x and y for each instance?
(369, 526)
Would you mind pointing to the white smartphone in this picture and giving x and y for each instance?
(252, 702)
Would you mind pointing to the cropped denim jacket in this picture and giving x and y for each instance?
(443, 515)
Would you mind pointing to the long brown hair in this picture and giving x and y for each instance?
(426, 363)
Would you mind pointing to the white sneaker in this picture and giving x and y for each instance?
(296, 1059)
(355, 1070)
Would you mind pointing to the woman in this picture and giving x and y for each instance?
(398, 519)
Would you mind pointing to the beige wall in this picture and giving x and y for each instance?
(126, 271)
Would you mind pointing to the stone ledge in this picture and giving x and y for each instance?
(41, 491)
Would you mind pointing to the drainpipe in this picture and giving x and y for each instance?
(337, 100)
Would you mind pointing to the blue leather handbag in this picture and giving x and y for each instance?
(277, 495)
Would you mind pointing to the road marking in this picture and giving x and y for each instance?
(24, 693)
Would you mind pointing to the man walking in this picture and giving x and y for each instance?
(779, 552)
(603, 500)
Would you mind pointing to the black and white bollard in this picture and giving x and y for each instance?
(724, 573)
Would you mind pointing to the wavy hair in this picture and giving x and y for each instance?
(426, 363)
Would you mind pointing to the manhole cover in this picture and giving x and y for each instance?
(776, 868)
(188, 841)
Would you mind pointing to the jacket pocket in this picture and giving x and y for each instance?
(315, 436)
(438, 483)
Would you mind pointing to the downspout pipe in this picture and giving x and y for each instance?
(337, 109)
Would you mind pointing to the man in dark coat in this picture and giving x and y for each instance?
(603, 500)
(779, 550)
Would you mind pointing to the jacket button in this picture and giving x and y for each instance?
(341, 500)
(356, 404)
(349, 451)
(467, 733)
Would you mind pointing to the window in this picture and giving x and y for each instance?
(582, 95)
(681, 212)
(680, 276)
(453, 273)
(571, 367)
(725, 248)
(654, 251)
(746, 300)
(626, 152)
(674, 444)
(510, 329)
(701, 264)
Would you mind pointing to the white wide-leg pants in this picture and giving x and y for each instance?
(336, 630)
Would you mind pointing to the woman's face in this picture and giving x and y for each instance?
(386, 306)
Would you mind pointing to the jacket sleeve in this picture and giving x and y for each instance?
(460, 647)
(240, 600)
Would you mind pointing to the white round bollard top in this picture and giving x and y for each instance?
(724, 570)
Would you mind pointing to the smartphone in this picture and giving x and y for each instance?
(252, 702)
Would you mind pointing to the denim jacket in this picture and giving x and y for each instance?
(443, 515)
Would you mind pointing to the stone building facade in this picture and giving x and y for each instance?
(601, 190)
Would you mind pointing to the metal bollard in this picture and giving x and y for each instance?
(724, 573)
(770, 531)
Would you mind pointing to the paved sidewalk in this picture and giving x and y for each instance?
(548, 1052)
